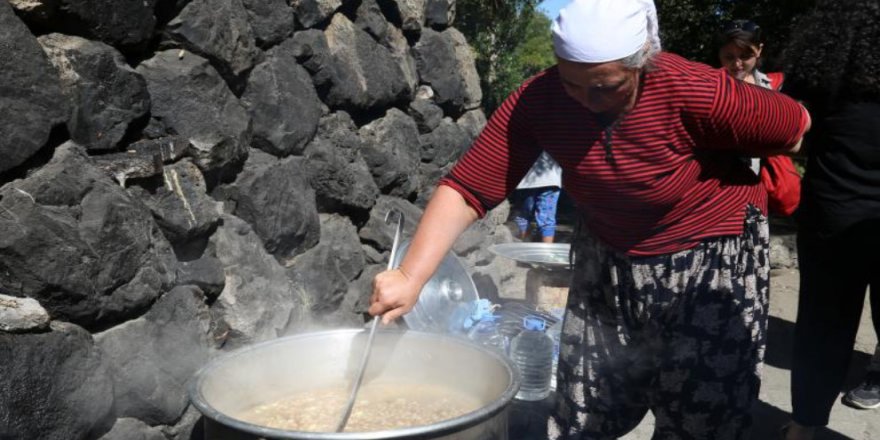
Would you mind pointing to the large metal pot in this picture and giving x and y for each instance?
(273, 370)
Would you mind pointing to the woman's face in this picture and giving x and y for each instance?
(739, 62)
(603, 88)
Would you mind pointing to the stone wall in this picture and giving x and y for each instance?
(179, 178)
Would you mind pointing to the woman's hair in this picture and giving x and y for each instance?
(643, 59)
(834, 52)
(744, 33)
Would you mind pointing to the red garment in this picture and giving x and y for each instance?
(659, 193)
(778, 173)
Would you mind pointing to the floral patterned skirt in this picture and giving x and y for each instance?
(681, 335)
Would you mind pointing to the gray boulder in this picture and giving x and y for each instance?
(258, 299)
(312, 12)
(31, 100)
(359, 75)
(408, 15)
(402, 54)
(270, 20)
(54, 385)
(473, 122)
(337, 170)
(191, 100)
(392, 153)
(19, 315)
(275, 197)
(446, 63)
(206, 273)
(133, 429)
(370, 19)
(439, 14)
(106, 94)
(380, 235)
(326, 270)
(426, 114)
(283, 103)
(150, 359)
(218, 30)
(80, 244)
(340, 177)
(445, 144)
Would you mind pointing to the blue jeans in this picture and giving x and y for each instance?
(538, 204)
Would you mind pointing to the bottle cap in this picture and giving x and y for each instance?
(532, 322)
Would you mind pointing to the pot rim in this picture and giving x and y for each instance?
(443, 427)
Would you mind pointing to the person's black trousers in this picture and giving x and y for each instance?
(834, 275)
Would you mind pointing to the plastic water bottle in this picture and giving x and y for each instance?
(487, 333)
(532, 353)
(555, 332)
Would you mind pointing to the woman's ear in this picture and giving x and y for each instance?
(758, 50)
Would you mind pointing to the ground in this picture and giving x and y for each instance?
(775, 400)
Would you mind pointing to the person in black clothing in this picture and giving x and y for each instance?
(832, 64)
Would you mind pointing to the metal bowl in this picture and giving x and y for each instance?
(538, 255)
(450, 288)
(270, 371)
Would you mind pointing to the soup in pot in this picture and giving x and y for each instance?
(378, 407)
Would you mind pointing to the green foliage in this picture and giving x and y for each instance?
(511, 40)
(689, 27)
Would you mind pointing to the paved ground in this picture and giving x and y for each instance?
(773, 410)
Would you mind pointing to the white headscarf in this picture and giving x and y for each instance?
(598, 31)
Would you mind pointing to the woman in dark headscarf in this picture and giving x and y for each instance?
(832, 65)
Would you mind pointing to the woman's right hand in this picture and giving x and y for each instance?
(394, 294)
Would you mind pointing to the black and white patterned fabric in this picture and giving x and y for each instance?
(681, 335)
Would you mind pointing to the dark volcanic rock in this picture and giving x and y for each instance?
(150, 359)
(326, 270)
(206, 273)
(392, 153)
(371, 20)
(259, 299)
(143, 158)
(337, 170)
(80, 244)
(271, 20)
(275, 197)
(133, 429)
(446, 63)
(408, 15)
(311, 12)
(473, 122)
(380, 235)
(426, 114)
(283, 103)
(105, 93)
(445, 144)
(54, 385)
(192, 101)
(340, 177)
(31, 101)
(116, 22)
(360, 74)
(182, 207)
(439, 14)
(218, 30)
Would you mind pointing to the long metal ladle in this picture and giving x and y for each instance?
(346, 413)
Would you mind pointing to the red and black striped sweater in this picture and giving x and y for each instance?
(668, 177)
